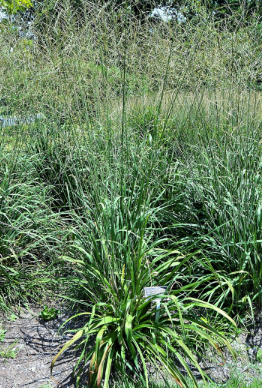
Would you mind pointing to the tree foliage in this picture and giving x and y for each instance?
(14, 6)
(47, 9)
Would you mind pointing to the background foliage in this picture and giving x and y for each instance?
(134, 159)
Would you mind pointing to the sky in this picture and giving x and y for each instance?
(162, 13)
(2, 15)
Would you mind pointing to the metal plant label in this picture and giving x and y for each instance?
(150, 291)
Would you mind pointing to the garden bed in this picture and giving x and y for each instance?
(36, 342)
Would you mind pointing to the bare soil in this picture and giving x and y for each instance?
(39, 341)
(248, 362)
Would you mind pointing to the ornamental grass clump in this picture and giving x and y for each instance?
(115, 257)
(29, 231)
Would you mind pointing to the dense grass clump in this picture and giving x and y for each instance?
(135, 161)
(28, 229)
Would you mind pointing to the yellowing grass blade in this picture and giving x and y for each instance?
(100, 369)
(211, 306)
(78, 335)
